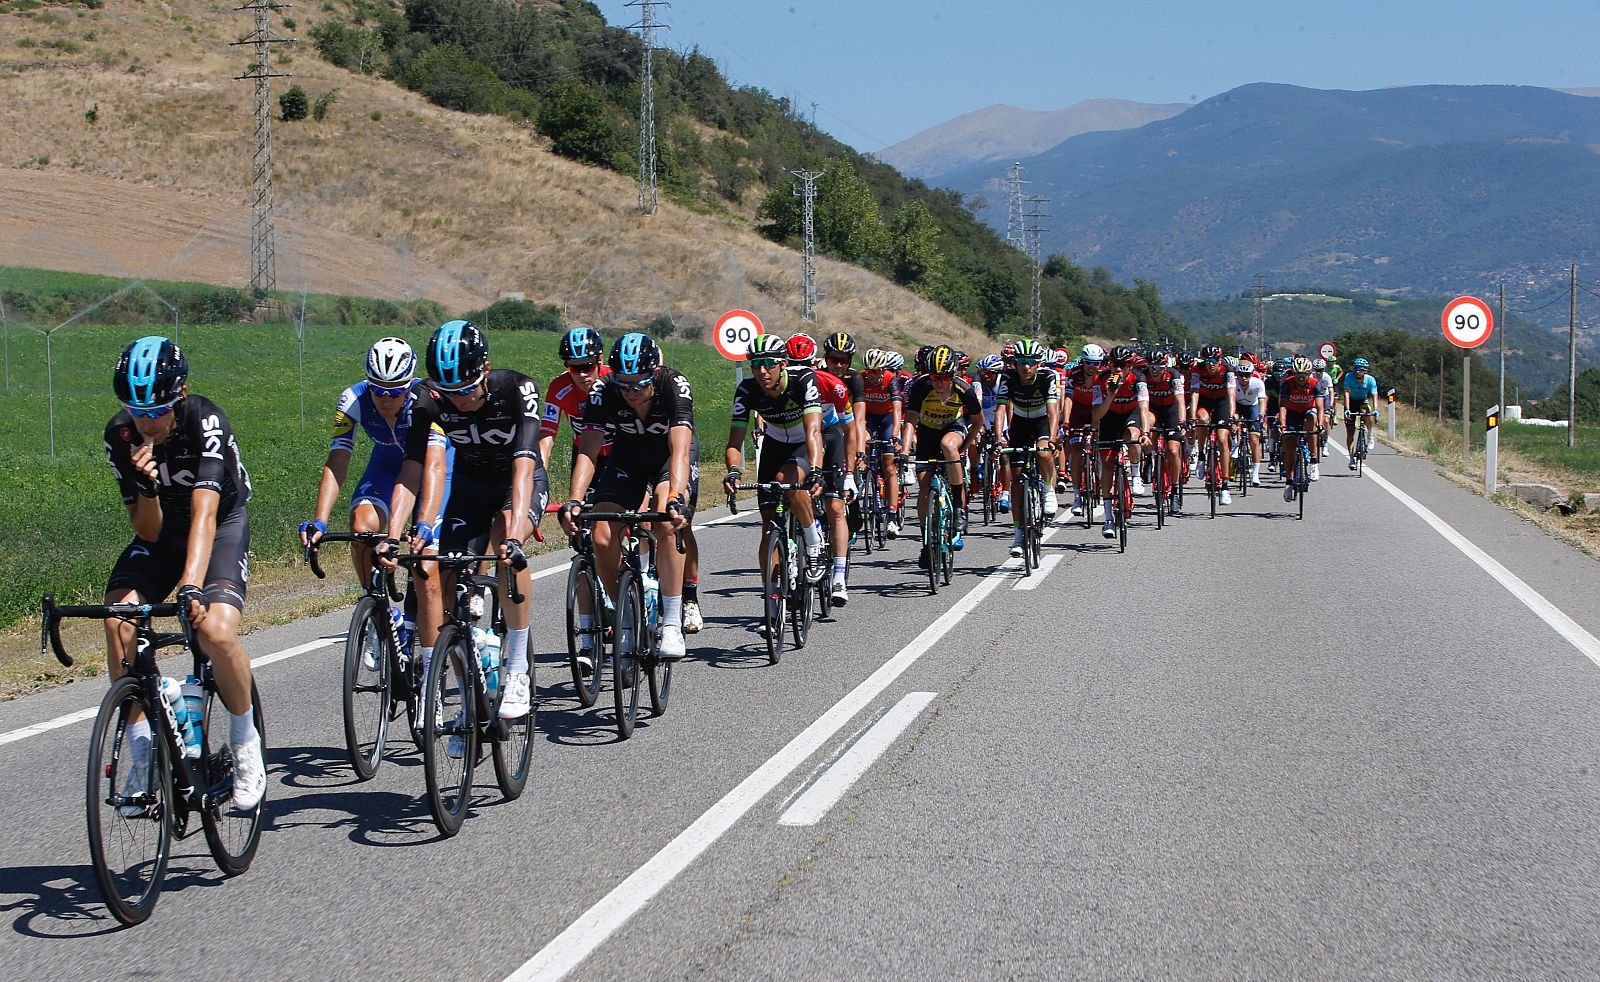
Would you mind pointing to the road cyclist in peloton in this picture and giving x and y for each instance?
(645, 412)
(885, 398)
(1082, 383)
(1211, 400)
(1250, 403)
(1299, 400)
(1168, 405)
(839, 450)
(1121, 412)
(185, 489)
(944, 409)
(1027, 415)
(1360, 392)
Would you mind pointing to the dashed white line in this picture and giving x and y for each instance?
(836, 779)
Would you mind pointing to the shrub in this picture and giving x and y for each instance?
(517, 315)
(446, 76)
(93, 115)
(319, 109)
(293, 105)
(576, 120)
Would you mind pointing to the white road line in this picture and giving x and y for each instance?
(569, 948)
(1546, 611)
(1046, 566)
(298, 649)
(812, 806)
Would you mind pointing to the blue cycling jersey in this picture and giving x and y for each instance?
(1362, 388)
(356, 409)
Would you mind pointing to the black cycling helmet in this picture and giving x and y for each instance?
(921, 358)
(1160, 357)
(635, 354)
(963, 360)
(581, 344)
(1122, 355)
(839, 343)
(1211, 352)
(942, 361)
(150, 372)
(1187, 359)
(457, 354)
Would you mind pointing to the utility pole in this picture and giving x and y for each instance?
(1259, 314)
(647, 103)
(1572, 361)
(807, 193)
(1502, 332)
(263, 239)
(1032, 232)
(1014, 237)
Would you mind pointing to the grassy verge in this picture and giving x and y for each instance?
(1528, 454)
(65, 522)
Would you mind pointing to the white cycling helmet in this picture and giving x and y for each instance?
(1093, 354)
(1319, 363)
(391, 362)
(896, 361)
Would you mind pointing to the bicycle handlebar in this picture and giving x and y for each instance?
(53, 614)
(630, 518)
(774, 487)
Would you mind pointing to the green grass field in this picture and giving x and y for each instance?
(1547, 445)
(63, 519)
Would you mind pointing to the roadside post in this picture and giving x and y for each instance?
(1491, 450)
(1467, 323)
(1391, 415)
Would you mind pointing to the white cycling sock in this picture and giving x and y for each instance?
(672, 611)
(241, 727)
(839, 564)
(813, 536)
(139, 738)
(427, 659)
(517, 649)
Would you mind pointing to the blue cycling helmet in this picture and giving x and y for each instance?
(991, 363)
(580, 344)
(457, 354)
(150, 372)
(1360, 363)
(635, 354)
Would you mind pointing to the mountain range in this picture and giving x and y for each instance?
(1420, 190)
(1004, 133)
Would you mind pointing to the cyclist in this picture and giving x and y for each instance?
(1080, 389)
(1297, 410)
(1027, 414)
(646, 411)
(1211, 400)
(185, 489)
(989, 368)
(381, 407)
(839, 447)
(1360, 396)
(492, 416)
(1250, 402)
(1319, 373)
(1165, 382)
(945, 411)
(885, 398)
(1121, 412)
(790, 406)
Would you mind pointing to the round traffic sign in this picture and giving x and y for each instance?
(1329, 351)
(1467, 322)
(735, 330)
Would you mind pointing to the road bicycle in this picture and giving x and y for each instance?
(1241, 458)
(381, 676)
(872, 498)
(785, 584)
(463, 689)
(1299, 476)
(938, 525)
(136, 808)
(636, 626)
(1164, 488)
(1083, 436)
(1362, 444)
(586, 598)
(983, 479)
(1213, 466)
(1122, 497)
(1028, 504)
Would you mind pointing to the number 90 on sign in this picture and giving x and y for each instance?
(1467, 322)
(734, 332)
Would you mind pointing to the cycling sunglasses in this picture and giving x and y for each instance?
(583, 366)
(464, 390)
(767, 363)
(388, 392)
(1026, 361)
(945, 377)
(637, 386)
(151, 412)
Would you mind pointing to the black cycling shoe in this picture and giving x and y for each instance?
(922, 558)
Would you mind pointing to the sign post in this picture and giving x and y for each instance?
(1491, 450)
(1391, 415)
(1467, 323)
(732, 336)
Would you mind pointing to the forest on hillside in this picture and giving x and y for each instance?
(558, 67)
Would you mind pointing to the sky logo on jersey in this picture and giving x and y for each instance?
(142, 369)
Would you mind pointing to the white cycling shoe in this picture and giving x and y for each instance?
(671, 646)
(693, 623)
(249, 775)
(517, 701)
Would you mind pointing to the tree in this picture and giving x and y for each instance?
(578, 124)
(293, 105)
(445, 75)
(849, 226)
(914, 254)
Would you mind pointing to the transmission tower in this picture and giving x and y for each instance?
(263, 240)
(1258, 326)
(647, 103)
(1014, 216)
(807, 193)
(1032, 231)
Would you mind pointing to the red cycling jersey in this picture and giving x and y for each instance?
(1298, 394)
(882, 392)
(1080, 384)
(566, 397)
(1211, 382)
(833, 392)
(1126, 388)
(1166, 386)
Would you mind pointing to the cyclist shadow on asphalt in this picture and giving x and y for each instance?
(64, 903)
(564, 721)
(315, 768)
(373, 817)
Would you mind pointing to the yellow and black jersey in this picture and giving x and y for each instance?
(940, 411)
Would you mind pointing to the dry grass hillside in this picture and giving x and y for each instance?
(387, 195)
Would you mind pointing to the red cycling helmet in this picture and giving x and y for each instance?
(802, 348)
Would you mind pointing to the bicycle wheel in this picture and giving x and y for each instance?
(931, 542)
(129, 852)
(1158, 486)
(947, 555)
(660, 674)
(450, 717)
(1123, 503)
(513, 751)
(800, 585)
(1302, 484)
(583, 586)
(1213, 475)
(774, 596)
(1033, 539)
(1024, 507)
(366, 690)
(231, 835)
(627, 638)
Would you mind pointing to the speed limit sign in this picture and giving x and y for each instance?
(1467, 322)
(735, 330)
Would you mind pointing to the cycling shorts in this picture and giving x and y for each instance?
(1359, 406)
(1115, 426)
(775, 455)
(376, 486)
(1214, 408)
(1305, 420)
(1026, 432)
(629, 484)
(476, 504)
(1082, 415)
(928, 438)
(152, 569)
(1166, 416)
(833, 450)
(880, 427)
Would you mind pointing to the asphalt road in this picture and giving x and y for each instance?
(1251, 747)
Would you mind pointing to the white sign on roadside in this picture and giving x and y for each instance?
(1467, 322)
(734, 332)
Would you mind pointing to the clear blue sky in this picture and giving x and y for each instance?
(883, 70)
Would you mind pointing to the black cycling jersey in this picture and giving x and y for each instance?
(627, 433)
(1028, 401)
(503, 429)
(201, 453)
(783, 415)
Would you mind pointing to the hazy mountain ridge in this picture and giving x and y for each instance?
(1424, 189)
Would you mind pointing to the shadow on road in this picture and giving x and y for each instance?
(64, 902)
